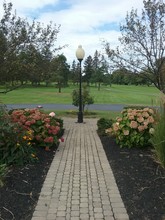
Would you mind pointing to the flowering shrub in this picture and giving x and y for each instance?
(133, 128)
(15, 143)
(46, 127)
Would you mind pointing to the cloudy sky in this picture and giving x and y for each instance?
(85, 22)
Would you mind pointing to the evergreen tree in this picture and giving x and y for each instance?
(88, 69)
(74, 75)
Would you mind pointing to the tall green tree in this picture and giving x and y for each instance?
(74, 72)
(60, 71)
(3, 49)
(100, 68)
(142, 42)
(88, 69)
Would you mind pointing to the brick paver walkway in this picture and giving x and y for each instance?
(80, 184)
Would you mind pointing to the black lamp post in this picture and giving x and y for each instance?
(80, 53)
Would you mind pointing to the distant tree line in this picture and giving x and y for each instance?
(97, 71)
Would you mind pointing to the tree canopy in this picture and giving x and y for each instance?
(26, 49)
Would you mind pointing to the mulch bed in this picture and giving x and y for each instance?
(19, 195)
(141, 181)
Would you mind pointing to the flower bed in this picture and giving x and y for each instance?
(21, 132)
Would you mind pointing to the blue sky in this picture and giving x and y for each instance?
(85, 22)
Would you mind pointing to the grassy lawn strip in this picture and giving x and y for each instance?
(116, 94)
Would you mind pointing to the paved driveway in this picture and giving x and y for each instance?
(100, 107)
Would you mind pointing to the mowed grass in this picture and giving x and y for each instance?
(36, 95)
(116, 94)
(134, 95)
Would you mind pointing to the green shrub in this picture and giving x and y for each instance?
(135, 107)
(87, 99)
(103, 124)
(134, 128)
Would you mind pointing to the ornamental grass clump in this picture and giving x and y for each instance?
(46, 127)
(134, 128)
(158, 138)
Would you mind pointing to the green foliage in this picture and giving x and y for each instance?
(103, 124)
(26, 47)
(87, 99)
(158, 138)
(59, 71)
(88, 69)
(123, 76)
(134, 128)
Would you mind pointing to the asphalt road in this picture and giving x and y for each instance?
(99, 107)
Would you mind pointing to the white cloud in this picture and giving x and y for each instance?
(22, 5)
(82, 22)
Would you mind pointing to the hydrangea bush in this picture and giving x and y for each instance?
(47, 129)
(134, 128)
(15, 142)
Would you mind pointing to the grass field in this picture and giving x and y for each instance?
(116, 94)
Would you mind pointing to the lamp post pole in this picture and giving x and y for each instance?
(80, 55)
(80, 113)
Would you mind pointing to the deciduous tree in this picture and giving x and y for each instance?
(60, 71)
(19, 36)
(143, 43)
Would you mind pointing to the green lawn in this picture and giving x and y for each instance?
(117, 94)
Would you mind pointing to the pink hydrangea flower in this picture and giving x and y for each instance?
(141, 128)
(49, 139)
(133, 124)
(52, 114)
(126, 132)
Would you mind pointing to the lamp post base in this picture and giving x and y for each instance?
(80, 117)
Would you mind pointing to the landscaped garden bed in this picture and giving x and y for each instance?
(28, 141)
(137, 170)
(135, 149)
(140, 179)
